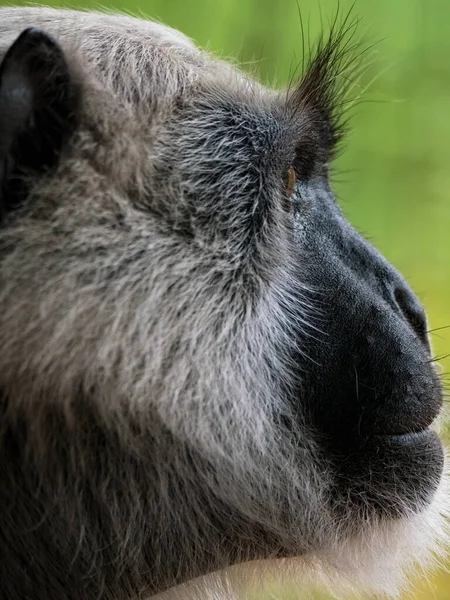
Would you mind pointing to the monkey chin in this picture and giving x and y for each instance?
(378, 560)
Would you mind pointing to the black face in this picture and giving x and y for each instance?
(373, 389)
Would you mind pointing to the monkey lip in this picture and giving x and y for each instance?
(412, 424)
(422, 436)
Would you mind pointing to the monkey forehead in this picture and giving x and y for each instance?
(136, 77)
(134, 58)
(71, 24)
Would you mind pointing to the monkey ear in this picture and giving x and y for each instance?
(36, 111)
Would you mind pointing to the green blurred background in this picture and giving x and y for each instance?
(393, 179)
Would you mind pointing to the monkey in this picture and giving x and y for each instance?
(204, 368)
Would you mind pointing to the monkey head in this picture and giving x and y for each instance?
(202, 363)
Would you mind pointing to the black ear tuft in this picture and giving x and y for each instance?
(37, 111)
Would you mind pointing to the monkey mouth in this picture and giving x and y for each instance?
(427, 422)
(410, 420)
(410, 438)
(419, 433)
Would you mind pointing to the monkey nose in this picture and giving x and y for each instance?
(412, 310)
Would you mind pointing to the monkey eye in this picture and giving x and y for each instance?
(289, 181)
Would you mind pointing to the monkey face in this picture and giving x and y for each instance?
(375, 391)
(203, 362)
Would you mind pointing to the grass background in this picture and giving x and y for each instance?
(393, 179)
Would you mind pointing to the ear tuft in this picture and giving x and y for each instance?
(37, 111)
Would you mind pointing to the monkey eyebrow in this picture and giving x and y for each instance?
(317, 104)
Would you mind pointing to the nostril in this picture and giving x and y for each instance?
(413, 311)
